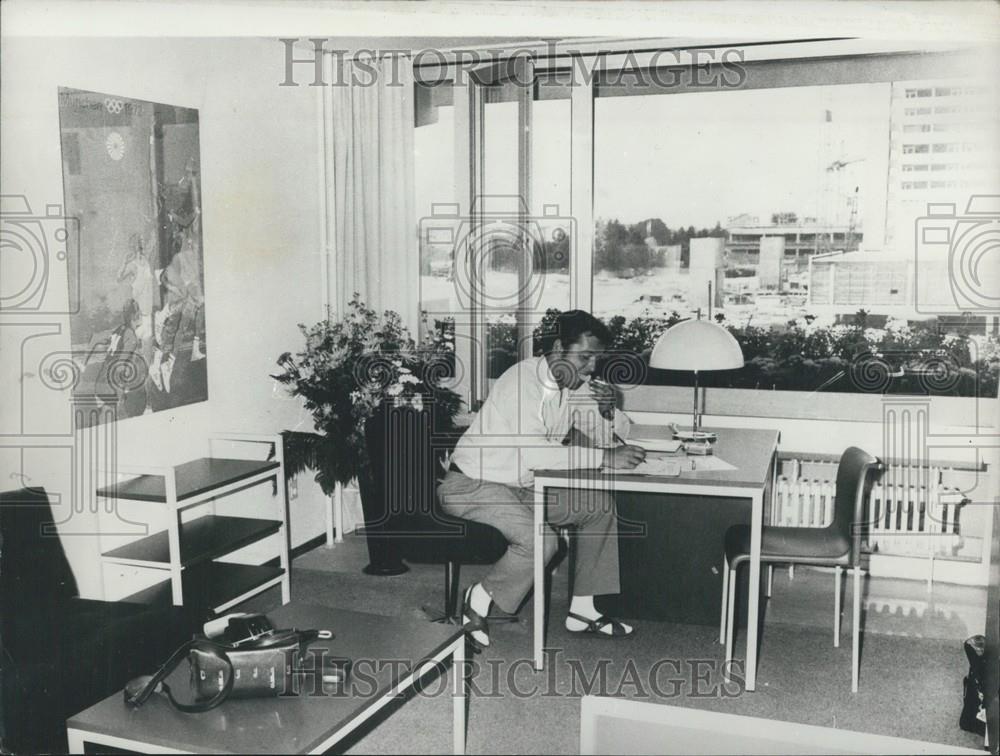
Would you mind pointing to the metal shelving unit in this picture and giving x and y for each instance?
(188, 550)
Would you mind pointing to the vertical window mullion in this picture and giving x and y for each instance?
(468, 342)
(524, 73)
(581, 262)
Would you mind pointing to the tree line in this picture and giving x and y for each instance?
(619, 248)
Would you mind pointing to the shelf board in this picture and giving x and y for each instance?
(201, 540)
(193, 478)
(222, 581)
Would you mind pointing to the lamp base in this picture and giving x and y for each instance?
(696, 436)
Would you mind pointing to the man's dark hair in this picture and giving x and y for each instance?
(569, 326)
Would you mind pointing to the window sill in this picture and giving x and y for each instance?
(976, 414)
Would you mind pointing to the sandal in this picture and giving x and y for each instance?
(473, 622)
(596, 626)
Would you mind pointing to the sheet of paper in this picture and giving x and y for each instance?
(660, 466)
(710, 462)
(655, 466)
(675, 466)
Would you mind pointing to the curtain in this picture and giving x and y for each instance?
(373, 229)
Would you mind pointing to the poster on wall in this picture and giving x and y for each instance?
(132, 181)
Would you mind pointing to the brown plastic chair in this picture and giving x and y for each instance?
(839, 545)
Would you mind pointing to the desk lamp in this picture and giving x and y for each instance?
(696, 345)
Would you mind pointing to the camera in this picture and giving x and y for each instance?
(248, 629)
(499, 254)
(239, 628)
(35, 251)
(964, 249)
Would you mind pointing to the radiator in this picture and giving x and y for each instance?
(911, 513)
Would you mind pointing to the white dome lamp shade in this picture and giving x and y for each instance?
(696, 345)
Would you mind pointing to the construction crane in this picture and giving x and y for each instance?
(836, 165)
(852, 201)
(851, 241)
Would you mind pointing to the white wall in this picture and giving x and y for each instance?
(260, 208)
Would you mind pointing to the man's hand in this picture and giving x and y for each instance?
(624, 457)
(576, 438)
(606, 398)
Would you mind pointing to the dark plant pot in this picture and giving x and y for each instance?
(378, 500)
(383, 551)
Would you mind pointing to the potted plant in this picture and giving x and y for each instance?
(351, 373)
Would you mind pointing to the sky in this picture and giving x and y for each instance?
(689, 159)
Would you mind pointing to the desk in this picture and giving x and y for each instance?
(389, 654)
(754, 454)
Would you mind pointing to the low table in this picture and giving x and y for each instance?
(389, 655)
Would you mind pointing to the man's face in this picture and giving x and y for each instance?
(572, 365)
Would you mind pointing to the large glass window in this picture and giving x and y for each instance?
(520, 243)
(500, 246)
(783, 174)
(787, 210)
(435, 198)
(551, 210)
(545, 251)
(782, 214)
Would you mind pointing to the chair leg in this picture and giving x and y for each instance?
(452, 576)
(571, 558)
(452, 573)
(731, 617)
(770, 579)
(856, 639)
(837, 575)
(725, 599)
(564, 537)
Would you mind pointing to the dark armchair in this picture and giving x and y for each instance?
(62, 653)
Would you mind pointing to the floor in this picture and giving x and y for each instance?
(892, 606)
(911, 671)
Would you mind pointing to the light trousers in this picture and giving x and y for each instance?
(509, 509)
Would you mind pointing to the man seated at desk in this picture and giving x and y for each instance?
(544, 413)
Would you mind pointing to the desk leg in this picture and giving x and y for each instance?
(539, 512)
(459, 670)
(753, 602)
(75, 739)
